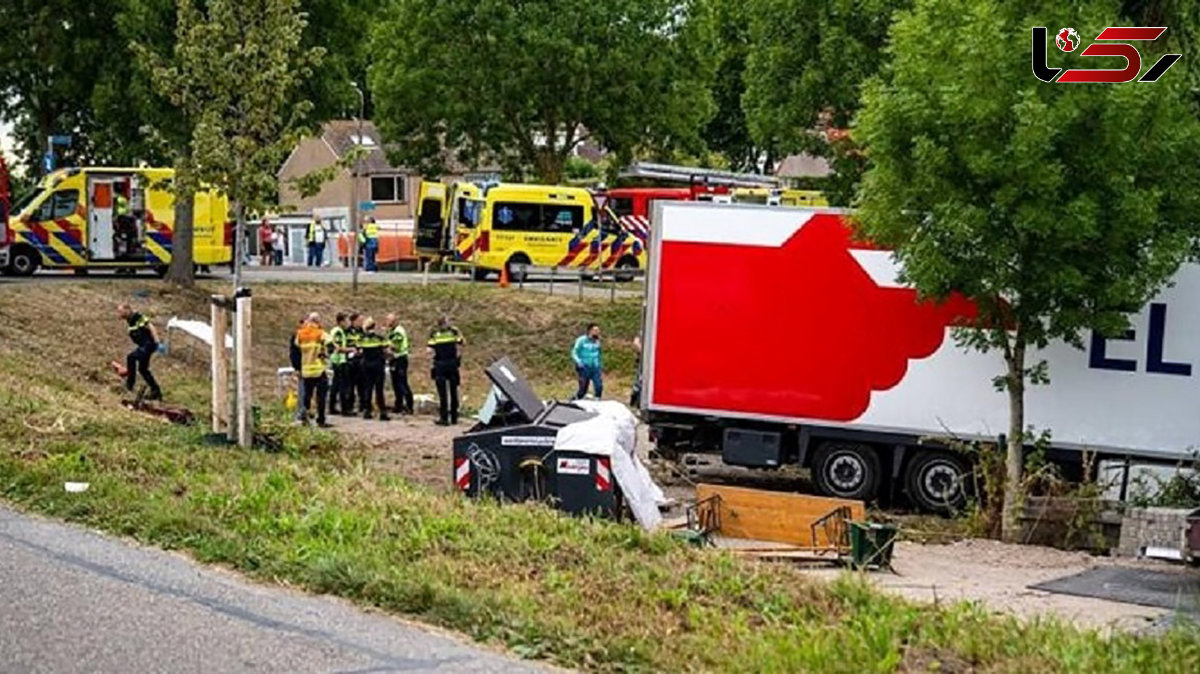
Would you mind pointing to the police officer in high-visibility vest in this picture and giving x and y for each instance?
(354, 378)
(145, 340)
(369, 238)
(373, 347)
(397, 338)
(341, 398)
(445, 347)
(314, 239)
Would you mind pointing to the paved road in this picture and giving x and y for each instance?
(74, 601)
(255, 274)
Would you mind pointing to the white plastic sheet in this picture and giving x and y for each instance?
(613, 433)
(198, 329)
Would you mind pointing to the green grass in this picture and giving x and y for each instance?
(578, 592)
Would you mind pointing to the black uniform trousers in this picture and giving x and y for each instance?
(138, 362)
(400, 387)
(319, 386)
(445, 375)
(372, 376)
(341, 398)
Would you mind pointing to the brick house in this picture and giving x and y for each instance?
(393, 189)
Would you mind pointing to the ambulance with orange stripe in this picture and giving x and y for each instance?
(111, 218)
(541, 225)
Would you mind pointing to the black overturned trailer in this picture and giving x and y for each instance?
(511, 455)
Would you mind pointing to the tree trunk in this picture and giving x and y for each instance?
(1015, 455)
(550, 167)
(182, 272)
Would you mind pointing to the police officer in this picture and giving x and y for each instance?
(445, 347)
(342, 396)
(354, 378)
(397, 338)
(145, 339)
(373, 347)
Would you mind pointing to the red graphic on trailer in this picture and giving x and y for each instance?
(816, 347)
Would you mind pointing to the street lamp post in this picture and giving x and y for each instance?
(362, 104)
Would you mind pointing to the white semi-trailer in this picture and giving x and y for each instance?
(772, 337)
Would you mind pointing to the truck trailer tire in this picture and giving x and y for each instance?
(938, 481)
(846, 470)
(23, 261)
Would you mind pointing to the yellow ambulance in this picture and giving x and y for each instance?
(111, 218)
(438, 212)
(540, 225)
(779, 197)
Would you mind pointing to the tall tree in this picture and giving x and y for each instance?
(728, 132)
(806, 71)
(235, 71)
(1057, 208)
(527, 82)
(53, 54)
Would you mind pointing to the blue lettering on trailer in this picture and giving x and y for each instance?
(1156, 362)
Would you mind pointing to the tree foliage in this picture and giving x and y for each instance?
(728, 131)
(526, 82)
(806, 70)
(54, 56)
(235, 70)
(1058, 208)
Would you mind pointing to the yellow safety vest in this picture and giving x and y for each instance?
(371, 230)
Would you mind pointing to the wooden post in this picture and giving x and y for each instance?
(245, 400)
(220, 364)
(425, 272)
(581, 284)
(553, 270)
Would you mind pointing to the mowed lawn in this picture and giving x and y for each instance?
(318, 515)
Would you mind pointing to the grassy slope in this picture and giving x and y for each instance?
(578, 592)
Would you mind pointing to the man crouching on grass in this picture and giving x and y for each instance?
(145, 339)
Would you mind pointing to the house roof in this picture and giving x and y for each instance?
(343, 134)
(802, 166)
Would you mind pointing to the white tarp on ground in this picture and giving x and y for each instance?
(613, 433)
(198, 329)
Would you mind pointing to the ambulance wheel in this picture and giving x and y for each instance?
(160, 270)
(514, 275)
(938, 481)
(626, 263)
(23, 261)
(846, 470)
(481, 274)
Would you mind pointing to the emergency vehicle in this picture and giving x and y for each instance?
(111, 218)
(540, 225)
(818, 355)
(439, 206)
(773, 196)
(5, 206)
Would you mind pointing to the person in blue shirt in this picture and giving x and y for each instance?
(588, 364)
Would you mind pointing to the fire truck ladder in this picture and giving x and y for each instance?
(694, 175)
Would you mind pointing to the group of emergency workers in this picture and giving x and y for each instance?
(359, 354)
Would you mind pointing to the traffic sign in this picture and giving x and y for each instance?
(48, 161)
(366, 205)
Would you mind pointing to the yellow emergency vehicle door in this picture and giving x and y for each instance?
(432, 237)
(101, 219)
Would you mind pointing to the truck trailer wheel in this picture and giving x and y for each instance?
(938, 481)
(846, 470)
